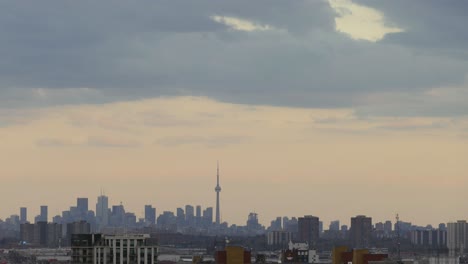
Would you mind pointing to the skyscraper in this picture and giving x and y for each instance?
(23, 215)
(217, 190)
(208, 216)
(44, 217)
(198, 215)
(361, 231)
(189, 215)
(150, 215)
(457, 238)
(308, 230)
(102, 211)
(82, 205)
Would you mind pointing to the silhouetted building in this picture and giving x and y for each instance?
(23, 215)
(41, 234)
(429, 238)
(189, 215)
(308, 230)
(278, 238)
(42, 217)
(150, 215)
(361, 231)
(457, 238)
(334, 225)
(208, 216)
(82, 207)
(198, 215)
(102, 212)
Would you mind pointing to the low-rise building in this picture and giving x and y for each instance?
(113, 249)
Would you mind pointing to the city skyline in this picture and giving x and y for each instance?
(332, 108)
(32, 217)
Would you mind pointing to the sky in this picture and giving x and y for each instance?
(329, 108)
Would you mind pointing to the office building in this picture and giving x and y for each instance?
(82, 207)
(23, 215)
(198, 215)
(208, 216)
(102, 212)
(360, 232)
(278, 238)
(434, 238)
(189, 215)
(41, 234)
(334, 225)
(308, 230)
(150, 215)
(457, 238)
(43, 216)
(113, 249)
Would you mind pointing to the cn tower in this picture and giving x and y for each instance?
(217, 190)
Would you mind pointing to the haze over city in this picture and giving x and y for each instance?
(331, 108)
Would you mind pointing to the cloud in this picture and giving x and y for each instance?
(360, 22)
(54, 142)
(112, 142)
(429, 24)
(240, 24)
(280, 53)
(211, 142)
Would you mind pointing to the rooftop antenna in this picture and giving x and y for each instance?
(399, 261)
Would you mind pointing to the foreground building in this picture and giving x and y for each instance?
(343, 255)
(233, 255)
(113, 249)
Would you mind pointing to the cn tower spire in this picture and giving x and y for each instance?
(217, 190)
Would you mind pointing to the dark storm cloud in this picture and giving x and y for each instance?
(121, 50)
(428, 23)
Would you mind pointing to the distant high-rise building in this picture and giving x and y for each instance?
(308, 230)
(23, 215)
(442, 226)
(276, 224)
(189, 215)
(198, 215)
(278, 237)
(429, 238)
(361, 231)
(208, 216)
(150, 215)
(117, 217)
(180, 215)
(44, 214)
(388, 227)
(82, 205)
(320, 228)
(41, 234)
(217, 190)
(252, 222)
(457, 238)
(167, 221)
(102, 211)
(334, 225)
